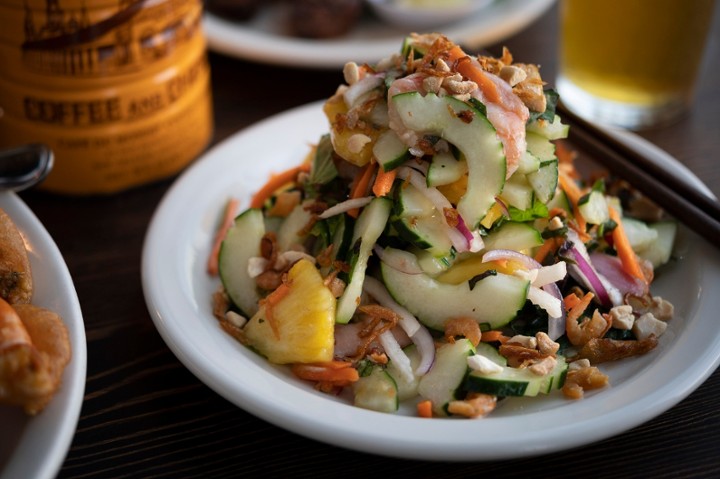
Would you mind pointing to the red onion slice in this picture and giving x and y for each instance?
(584, 272)
(611, 268)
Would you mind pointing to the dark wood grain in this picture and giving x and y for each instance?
(146, 415)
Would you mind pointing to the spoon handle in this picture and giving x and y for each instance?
(24, 166)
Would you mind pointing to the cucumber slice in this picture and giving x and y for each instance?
(390, 151)
(639, 234)
(492, 302)
(541, 147)
(410, 202)
(517, 382)
(554, 130)
(445, 169)
(528, 163)
(470, 131)
(368, 228)
(509, 382)
(518, 192)
(241, 243)
(490, 352)
(290, 230)
(545, 180)
(514, 236)
(427, 233)
(594, 208)
(444, 382)
(417, 221)
(659, 251)
(377, 391)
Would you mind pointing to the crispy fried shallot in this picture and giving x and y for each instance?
(601, 350)
(465, 327)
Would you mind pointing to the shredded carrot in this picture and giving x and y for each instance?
(228, 217)
(549, 246)
(474, 72)
(492, 336)
(361, 186)
(570, 300)
(424, 408)
(270, 301)
(285, 202)
(627, 256)
(276, 182)
(383, 181)
(574, 194)
(579, 307)
(331, 371)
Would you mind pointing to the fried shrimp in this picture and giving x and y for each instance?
(16, 284)
(34, 350)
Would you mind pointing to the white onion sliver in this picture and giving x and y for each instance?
(256, 266)
(377, 290)
(396, 355)
(545, 300)
(419, 335)
(426, 346)
(359, 88)
(550, 274)
(294, 256)
(398, 262)
(556, 325)
(345, 206)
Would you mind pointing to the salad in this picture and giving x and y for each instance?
(439, 247)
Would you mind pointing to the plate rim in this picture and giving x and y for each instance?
(237, 40)
(72, 390)
(414, 447)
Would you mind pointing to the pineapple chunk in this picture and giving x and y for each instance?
(341, 134)
(303, 320)
(467, 269)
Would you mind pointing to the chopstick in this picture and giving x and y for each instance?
(675, 195)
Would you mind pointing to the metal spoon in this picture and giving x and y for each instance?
(24, 166)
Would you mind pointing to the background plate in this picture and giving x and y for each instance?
(261, 38)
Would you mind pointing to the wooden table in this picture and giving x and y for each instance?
(146, 415)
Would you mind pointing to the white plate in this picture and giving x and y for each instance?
(36, 446)
(178, 290)
(261, 39)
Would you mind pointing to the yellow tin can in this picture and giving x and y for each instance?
(119, 89)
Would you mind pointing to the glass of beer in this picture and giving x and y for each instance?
(631, 63)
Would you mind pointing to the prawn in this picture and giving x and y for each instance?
(34, 350)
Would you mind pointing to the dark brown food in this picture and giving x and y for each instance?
(322, 18)
(16, 284)
(239, 10)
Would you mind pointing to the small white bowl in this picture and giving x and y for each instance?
(419, 15)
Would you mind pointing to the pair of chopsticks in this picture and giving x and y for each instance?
(674, 194)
